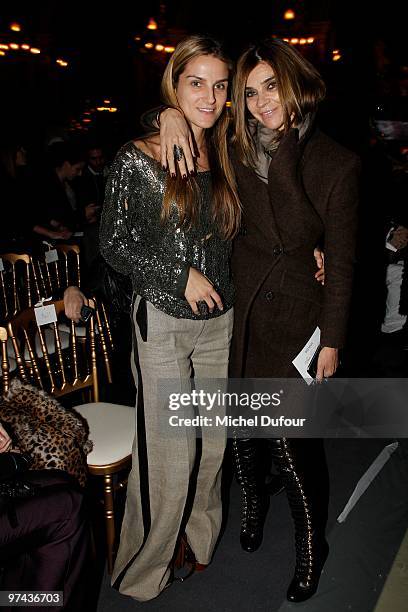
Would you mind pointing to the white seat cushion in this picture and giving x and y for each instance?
(10, 350)
(49, 338)
(111, 429)
(80, 330)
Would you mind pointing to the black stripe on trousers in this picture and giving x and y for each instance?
(142, 454)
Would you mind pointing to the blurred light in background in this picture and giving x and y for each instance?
(152, 25)
(289, 14)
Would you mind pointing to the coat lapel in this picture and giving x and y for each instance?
(256, 201)
(287, 197)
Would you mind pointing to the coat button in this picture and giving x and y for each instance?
(269, 295)
(278, 250)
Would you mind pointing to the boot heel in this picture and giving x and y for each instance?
(307, 574)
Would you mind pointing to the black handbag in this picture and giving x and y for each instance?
(113, 288)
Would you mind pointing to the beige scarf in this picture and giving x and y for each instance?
(267, 141)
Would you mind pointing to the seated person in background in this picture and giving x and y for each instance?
(391, 355)
(116, 292)
(58, 215)
(43, 530)
(15, 191)
(90, 186)
(90, 191)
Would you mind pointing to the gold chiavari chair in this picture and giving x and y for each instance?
(59, 268)
(3, 294)
(6, 366)
(23, 287)
(74, 369)
(57, 277)
(18, 283)
(102, 333)
(49, 266)
(104, 336)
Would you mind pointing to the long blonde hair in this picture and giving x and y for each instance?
(300, 89)
(226, 208)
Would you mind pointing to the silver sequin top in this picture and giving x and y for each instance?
(134, 241)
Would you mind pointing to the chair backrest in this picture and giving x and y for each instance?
(41, 356)
(104, 335)
(5, 370)
(59, 268)
(71, 255)
(3, 293)
(18, 284)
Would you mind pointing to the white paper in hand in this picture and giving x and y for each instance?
(304, 358)
(45, 314)
(388, 244)
(51, 256)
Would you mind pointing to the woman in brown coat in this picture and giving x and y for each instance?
(298, 190)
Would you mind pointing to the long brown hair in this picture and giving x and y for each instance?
(226, 208)
(300, 89)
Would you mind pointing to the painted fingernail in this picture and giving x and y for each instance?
(164, 167)
(184, 176)
(192, 172)
(173, 174)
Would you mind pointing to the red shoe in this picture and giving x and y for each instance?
(185, 560)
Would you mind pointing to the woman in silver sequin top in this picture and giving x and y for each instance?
(173, 236)
(298, 189)
(160, 259)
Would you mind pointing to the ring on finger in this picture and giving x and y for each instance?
(202, 307)
(178, 152)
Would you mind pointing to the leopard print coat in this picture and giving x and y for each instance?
(55, 437)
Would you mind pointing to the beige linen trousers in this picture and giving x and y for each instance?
(163, 462)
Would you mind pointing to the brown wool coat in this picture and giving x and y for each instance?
(311, 199)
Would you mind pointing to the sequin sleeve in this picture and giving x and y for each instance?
(127, 240)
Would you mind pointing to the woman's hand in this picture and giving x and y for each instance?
(327, 363)
(62, 234)
(200, 289)
(5, 440)
(319, 257)
(74, 299)
(399, 238)
(91, 212)
(174, 130)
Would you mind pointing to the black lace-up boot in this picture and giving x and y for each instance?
(255, 500)
(301, 465)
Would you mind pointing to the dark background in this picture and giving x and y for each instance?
(39, 99)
